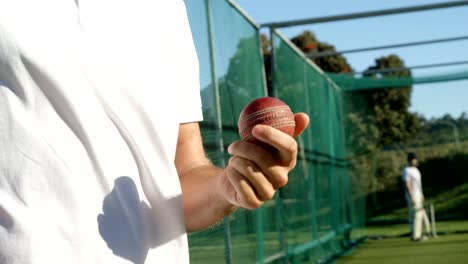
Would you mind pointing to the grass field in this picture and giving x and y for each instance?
(446, 249)
(445, 227)
(394, 247)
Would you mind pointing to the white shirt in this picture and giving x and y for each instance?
(413, 175)
(92, 93)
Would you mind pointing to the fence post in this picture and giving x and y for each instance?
(219, 124)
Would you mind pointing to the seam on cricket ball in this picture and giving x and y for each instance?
(266, 110)
(275, 125)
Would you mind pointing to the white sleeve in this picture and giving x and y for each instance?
(190, 97)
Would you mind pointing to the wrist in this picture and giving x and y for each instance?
(219, 196)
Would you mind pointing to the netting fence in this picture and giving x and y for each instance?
(320, 211)
(351, 155)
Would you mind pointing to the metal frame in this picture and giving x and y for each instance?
(434, 65)
(406, 81)
(376, 13)
(219, 126)
(399, 45)
(243, 13)
(274, 25)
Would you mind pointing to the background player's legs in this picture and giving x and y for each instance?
(427, 224)
(418, 219)
(410, 218)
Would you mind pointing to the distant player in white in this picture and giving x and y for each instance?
(415, 198)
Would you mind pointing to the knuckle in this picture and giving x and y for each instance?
(234, 176)
(293, 163)
(236, 162)
(254, 203)
(268, 194)
(292, 147)
(250, 200)
(282, 180)
(231, 161)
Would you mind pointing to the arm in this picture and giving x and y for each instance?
(202, 205)
(251, 177)
(408, 184)
(409, 187)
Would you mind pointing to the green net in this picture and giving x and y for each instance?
(232, 74)
(322, 205)
(315, 216)
(350, 157)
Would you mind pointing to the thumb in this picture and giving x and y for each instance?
(302, 121)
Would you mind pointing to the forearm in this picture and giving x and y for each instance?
(203, 206)
(409, 189)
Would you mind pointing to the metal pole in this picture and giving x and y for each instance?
(272, 89)
(219, 125)
(332, 170)
(445, 64)
(399, 45)
(214, 79)
(384, 12)
(434, 231)
(243, 13)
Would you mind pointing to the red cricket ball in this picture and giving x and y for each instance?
(266, 111)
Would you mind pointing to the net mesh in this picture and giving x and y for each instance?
(233, 61)
(319, 202)
(343, 158)
(312, 216)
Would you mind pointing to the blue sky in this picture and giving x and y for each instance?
(431, 100)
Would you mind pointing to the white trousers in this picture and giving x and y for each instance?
(418, 215)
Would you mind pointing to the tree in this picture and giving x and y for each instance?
(390, 106)
(265, 42)
(308, 43)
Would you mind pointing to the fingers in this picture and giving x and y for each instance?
(274, 170)
(245, 195)
(285, 144)
(302, 121)
(255, 172)
(263, 187)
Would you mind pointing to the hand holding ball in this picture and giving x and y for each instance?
(259, 164)
(268, 111)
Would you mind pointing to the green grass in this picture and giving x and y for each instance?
(211, 250)
(401, 229)
(445, 249)
(451, 203)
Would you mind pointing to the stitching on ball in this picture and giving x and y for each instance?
(267, 110)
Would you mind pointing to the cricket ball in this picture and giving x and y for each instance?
(266, 111)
